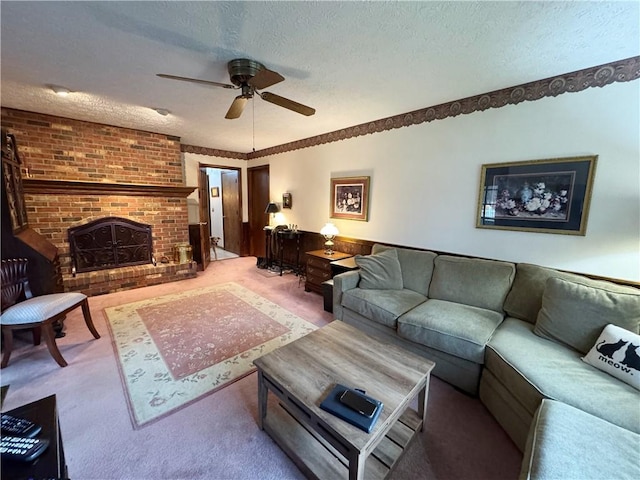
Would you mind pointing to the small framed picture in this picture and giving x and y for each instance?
(215, 191)
(286, 200)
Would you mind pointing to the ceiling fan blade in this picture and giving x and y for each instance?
(236, 108)
(196, 80)
(286, 103)
(265, 78)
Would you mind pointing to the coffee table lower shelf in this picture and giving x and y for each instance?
(318, 459)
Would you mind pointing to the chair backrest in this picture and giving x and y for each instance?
(15, 282)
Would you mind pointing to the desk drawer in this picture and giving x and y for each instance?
(318, 263)
(317, 276)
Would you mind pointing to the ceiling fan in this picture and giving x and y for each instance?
(249, 76)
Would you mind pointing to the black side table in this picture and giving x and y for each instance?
(51, 464)
(289, 235)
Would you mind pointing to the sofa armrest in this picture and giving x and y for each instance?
(342, 283)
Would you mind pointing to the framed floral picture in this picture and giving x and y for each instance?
(548, 196)
(350, 198)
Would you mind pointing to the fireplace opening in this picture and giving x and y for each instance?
(109, 242)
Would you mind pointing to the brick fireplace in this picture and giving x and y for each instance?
(75, 172)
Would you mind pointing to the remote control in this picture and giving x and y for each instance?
(19, 426)
(22, 449)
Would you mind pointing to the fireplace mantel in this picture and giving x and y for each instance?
(62, 187)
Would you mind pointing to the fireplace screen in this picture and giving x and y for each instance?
(108, 243)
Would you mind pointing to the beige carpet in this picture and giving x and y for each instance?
(177, 348)
(217, 437)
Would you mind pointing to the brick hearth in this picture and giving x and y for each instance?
(126, 278)
(59, 153)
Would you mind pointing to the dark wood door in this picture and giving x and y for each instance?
(258, 186)
(231, 212)
(205, 239)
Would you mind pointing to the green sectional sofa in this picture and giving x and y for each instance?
(567, 443)
(514, 334)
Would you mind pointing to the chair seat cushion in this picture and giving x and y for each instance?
(41, 308)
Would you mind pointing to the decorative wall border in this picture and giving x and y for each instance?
(625, 70)
(213, 152)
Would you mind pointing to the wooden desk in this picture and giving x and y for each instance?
(51, 464)
(319, 268)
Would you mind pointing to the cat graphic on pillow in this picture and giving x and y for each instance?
(631, 358)
(608, 349)
(610, 355)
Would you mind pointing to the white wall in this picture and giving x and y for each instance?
(191, 166)
(425, 180)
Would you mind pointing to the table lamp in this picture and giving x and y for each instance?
(329, 232)
(272, 208)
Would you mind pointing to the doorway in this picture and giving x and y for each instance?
(222, 190)
(258, 191)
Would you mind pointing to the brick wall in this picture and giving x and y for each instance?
(55, 148)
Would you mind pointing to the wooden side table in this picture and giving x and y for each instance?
(319, 268)
(344, 265)
(337, 267)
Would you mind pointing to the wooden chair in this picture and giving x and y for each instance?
(39, 313)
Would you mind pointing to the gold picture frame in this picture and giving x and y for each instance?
(350, 198)
(546, 196)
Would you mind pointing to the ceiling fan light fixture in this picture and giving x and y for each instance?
(162, 111)
(249, 76)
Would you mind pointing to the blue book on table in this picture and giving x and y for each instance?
(333, 405)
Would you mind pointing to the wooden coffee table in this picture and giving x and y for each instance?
(303, 372)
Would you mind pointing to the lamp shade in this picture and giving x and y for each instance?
(272, 208)
(329, 230)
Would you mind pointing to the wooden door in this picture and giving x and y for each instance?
(258, 183)
(231, 212)
(205, 239)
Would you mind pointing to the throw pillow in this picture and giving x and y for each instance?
(617, 352)
(575, 314)
(380, 271)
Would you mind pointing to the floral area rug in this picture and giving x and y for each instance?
(177, 348)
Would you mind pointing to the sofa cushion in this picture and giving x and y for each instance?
(567, 443)
(472, 281)
(380, 271)
(382, 306)
(416, 266)
(453, 328)
(533, 367)
(575, 314)
(616, 353)
(525, 298)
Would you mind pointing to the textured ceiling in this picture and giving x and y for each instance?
(353, 61)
